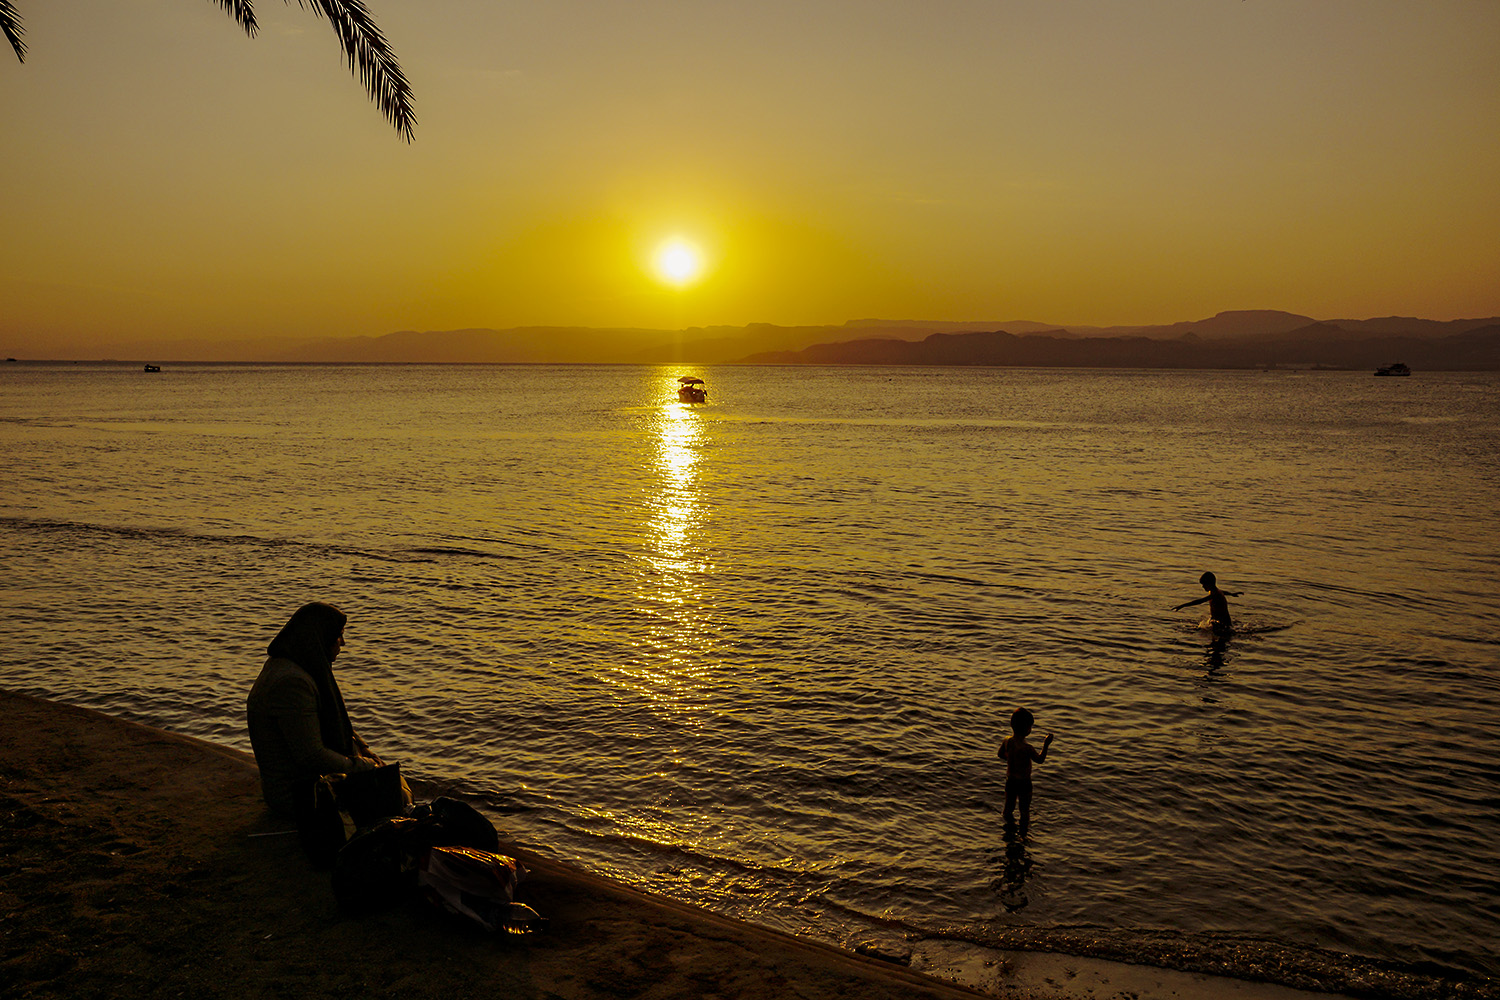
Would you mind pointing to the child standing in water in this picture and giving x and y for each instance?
(1018, 756)
(1218, 607)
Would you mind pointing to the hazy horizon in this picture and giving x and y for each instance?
(1221, 340)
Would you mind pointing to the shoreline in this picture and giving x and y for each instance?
(140, 863)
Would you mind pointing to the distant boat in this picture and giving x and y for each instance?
(690, 390)
(153, 368)
(1396, 369)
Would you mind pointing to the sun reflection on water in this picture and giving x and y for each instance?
(674, 655)
(676, 513)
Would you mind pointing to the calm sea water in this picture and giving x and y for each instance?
(758, 654)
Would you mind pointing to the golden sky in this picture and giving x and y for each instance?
(1101, 162)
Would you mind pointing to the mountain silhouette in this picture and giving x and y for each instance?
(1259, 338)
(1312, 345)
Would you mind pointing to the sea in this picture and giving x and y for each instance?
(758, 654)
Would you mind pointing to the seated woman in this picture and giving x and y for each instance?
(299, 728)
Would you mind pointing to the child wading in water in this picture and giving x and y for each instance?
(1218, 607)
(1018, 756)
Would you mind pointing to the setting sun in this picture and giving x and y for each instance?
(678, 262)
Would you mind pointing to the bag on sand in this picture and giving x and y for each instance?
(394, 860)
(334, 806)
(446, 822)
(378, 866)
(478, 886)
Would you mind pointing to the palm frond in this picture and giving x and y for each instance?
(370, 57)
(10, 26)
(243, 11)
(369, 54)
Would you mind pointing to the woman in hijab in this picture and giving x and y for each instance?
(299, 728)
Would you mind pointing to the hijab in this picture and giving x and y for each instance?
(310, 640)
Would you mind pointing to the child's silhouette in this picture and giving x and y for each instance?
(1218, 607)
(1018, 756)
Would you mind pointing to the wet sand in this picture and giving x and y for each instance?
(139, 863)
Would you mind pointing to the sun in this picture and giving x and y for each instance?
(678, 262)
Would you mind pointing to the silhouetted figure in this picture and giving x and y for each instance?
(1018, 756)
(1218, 607)
(299, 728)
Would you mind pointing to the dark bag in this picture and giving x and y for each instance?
(381, 865)
(378, 867)
(373, 795)
(335, 806)
(446, 822)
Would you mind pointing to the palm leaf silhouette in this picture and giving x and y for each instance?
(369, 55)
(10, 26)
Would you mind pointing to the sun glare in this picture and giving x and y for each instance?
(678, 262)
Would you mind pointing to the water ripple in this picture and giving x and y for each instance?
(759, 655)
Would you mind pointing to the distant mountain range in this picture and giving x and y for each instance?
(1228, 340)
(1244, 339)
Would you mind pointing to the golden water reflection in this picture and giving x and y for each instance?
(675, 650)
(676, 514)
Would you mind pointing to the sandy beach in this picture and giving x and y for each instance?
(139, 863)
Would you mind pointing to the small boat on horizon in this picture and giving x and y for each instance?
(1396, 369)
(153, 368)
(691, 390)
